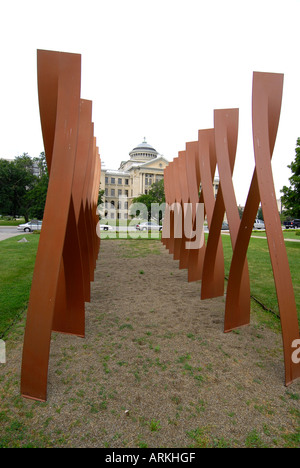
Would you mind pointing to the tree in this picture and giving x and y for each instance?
(22, 193)
(36, 197)
(155, 196)
(16, 179)
(100, 196)
(291, 195)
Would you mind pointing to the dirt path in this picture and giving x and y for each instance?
(155, 369)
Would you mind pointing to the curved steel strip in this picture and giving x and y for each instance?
(184, 252)
(65, 76)
(213, 267)
(226, 135)
(166, 229)
(239, 256)
(177, 211)
(238, 261)
(85, 136)
(94, 202)
(69, 316)
(196, 256)
(171, 201)
(266, 104)
(87, 208)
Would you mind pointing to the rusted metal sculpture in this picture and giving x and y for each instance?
(213, 267)
(68, 245)
(226, 134)
(217, 148)
(195, 263)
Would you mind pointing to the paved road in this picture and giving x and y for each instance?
(9, 231)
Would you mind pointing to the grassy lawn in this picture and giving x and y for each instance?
(132, 235)
(17, 263)
(152, 371)
(287, 234)
(14, 222)
(261, 274)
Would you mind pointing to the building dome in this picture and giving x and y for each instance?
(143, 152)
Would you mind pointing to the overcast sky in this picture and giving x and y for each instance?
(154, 69)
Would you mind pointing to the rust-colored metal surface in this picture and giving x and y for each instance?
(266, 103)
(196, 256)
(184, 200)
(216, 148)
(226, 135)
(213, 267)
(62, 272)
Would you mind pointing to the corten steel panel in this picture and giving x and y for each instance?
(184, 252)
(59, 288)
(85, 136)
(170, 199)
(69, 315)
(63, 74)
(213, 267)
(235, 320)
(89, 219)
(226, 135)
(166, 229)
(266, 104)
(177, 211)
(196, 256)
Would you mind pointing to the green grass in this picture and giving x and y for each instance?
(287, 234)
(132, 235)
(261, 274)
(17, 264)
(13, 222)
(16, 269)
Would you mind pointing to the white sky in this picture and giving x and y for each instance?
(154, 69)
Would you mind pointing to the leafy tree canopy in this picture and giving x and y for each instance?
(291, 195)
(156, 196)
(22, 191)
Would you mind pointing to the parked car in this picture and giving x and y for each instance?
(147, 226)
(259, 224)
(293, 224)
(33, 225)
(225, 227)
(105, 227)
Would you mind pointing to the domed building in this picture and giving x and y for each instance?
(133, 178)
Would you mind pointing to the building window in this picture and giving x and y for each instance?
(112, 203)
(126, 205)
(126, 193)
(146, 181)
(146, 192)
(126, 181)
(112, 180)
(119, 192)
(119, 205)
(119, 181)
(106, 192)
(112, 215)
(106, 180)
(119, 215)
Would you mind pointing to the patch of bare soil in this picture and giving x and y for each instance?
(155, 369)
